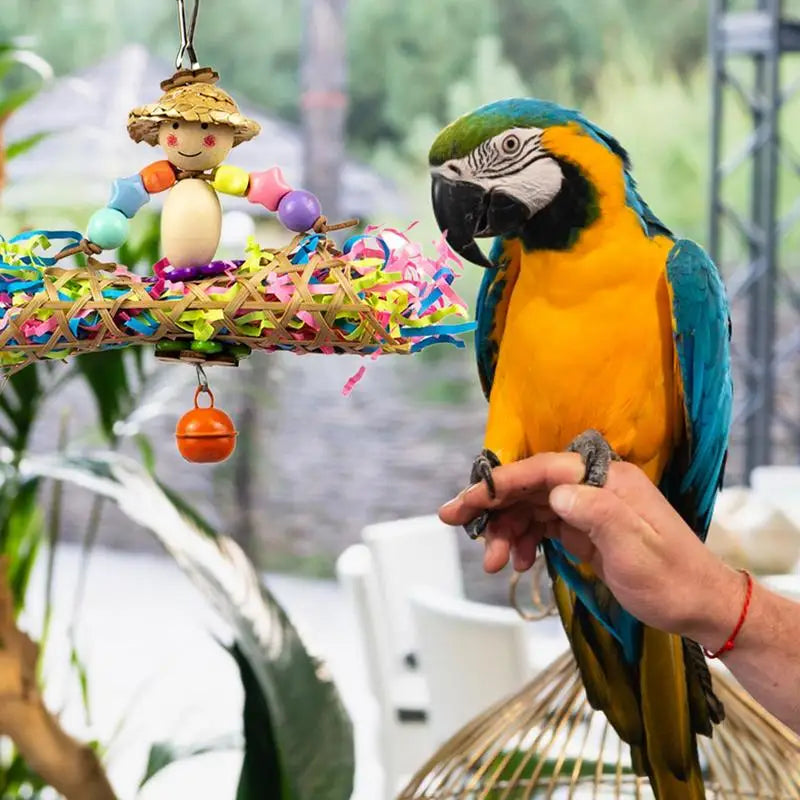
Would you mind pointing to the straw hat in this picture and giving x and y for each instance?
(191, 95)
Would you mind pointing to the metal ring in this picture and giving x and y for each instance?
(541, 610)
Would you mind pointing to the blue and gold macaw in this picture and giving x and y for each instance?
(598, 330)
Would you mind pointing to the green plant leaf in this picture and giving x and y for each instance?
(21, 532)
(17, 780)
(262, 775)
(191, 513)
(164, 754)
(146, 451)
(19, 403)
(15, 54)
(312, 733)
(106, 375)
(82, 674)
(14, 100)
(21, 146)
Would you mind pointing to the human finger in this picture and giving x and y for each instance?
(524, 548)
(529, 479)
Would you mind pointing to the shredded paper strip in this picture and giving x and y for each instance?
(380, 294)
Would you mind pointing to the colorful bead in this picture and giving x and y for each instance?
(200, 271)
(231, 180)
(128, 195)
(170, 346)
(268, 188)
(299, 210)
(206, 347)
(158, 176)
(108, 228)
(238, 350)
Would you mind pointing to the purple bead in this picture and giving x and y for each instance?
(299, 210)
(214, 268)
(201, 271)
(181, 274)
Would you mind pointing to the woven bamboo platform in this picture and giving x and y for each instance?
(307, 297)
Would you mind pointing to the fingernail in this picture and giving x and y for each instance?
(562, 499)
(454, 500)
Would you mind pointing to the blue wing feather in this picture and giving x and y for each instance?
(701, 328)
(494, 293)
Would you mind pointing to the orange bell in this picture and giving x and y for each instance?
(205, 435)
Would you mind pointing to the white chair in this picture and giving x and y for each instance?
(780, 486)
(472, 654)
(759, 527)
(412, 553)
(401, 695)
(787, 585)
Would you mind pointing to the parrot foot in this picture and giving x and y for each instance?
(482, 468)
(597, 456)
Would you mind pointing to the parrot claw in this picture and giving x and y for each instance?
(477, 527)
(482, 468)
(597, 456)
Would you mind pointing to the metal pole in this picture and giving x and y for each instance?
(717, 9)
(757, 256)
(761, 323)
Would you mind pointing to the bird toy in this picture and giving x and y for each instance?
(376, 294)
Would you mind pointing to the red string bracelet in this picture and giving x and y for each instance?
(728, 646)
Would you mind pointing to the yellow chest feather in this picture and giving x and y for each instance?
(588, 344)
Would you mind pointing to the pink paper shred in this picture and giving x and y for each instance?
(353, 380)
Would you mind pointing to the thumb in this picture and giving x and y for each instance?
(590, 509)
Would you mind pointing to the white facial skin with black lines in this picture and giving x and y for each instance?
(512, 162)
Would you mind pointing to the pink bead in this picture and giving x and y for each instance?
(268, 188)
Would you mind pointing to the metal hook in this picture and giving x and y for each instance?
(187, 35)
(202, 380)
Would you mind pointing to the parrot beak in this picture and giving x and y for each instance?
(466, 211)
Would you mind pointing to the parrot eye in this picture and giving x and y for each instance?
(510, 144)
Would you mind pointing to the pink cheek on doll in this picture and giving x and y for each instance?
(172, 140)
(210, 141)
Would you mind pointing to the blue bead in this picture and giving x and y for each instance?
(108, 228)
(128, 195)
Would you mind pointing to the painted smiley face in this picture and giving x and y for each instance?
(195, 145)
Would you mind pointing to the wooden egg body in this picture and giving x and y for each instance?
(191, 223)
(205, 435)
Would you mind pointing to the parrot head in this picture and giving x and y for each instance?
(509, 169)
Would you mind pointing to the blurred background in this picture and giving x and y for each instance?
(350, 94)
(370, 92)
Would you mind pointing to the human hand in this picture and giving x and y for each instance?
(634, 540)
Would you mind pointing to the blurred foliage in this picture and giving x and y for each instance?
(298, 736)
(18, 782)
(636, 67)
(164, 754)
(403, 56)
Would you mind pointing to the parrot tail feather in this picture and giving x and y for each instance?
(612, 680)
(671, 745)
(707, 709)
(639, 763)
(656, 706)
